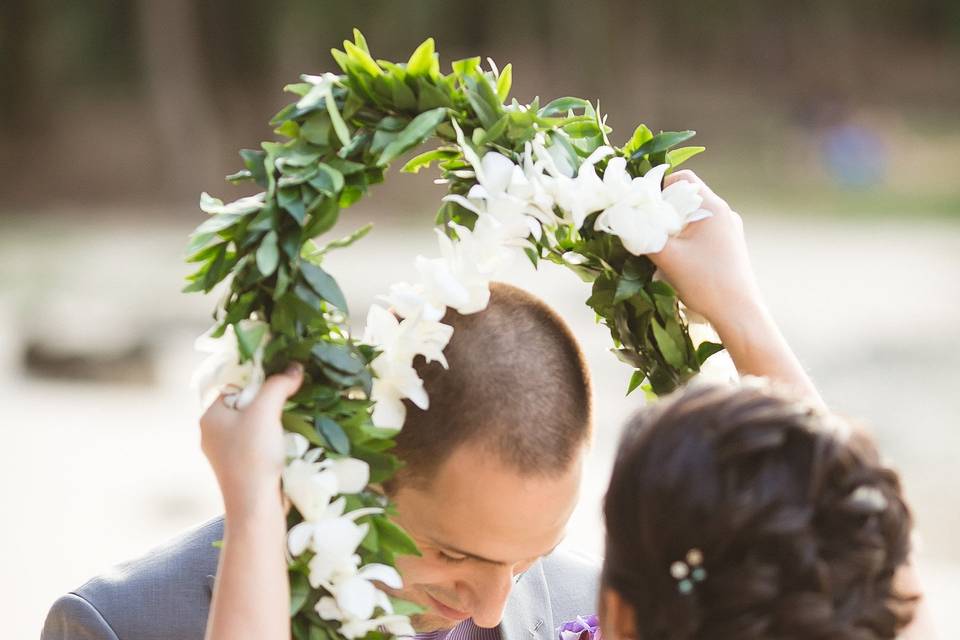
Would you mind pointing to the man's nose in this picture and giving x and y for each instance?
(492, 589)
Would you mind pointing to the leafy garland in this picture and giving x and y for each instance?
(280, 305)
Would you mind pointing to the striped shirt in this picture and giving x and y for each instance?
(466, 630)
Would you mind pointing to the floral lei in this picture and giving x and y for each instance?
(525, 183)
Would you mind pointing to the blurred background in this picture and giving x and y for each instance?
(834, 128)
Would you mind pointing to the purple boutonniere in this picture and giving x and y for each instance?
(583, 628)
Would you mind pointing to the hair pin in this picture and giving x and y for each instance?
(689, 571)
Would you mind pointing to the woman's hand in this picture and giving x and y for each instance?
(246, 448)
(708, 265)
(251, 595)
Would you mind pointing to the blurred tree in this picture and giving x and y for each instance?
(178, 93)
(18, 80)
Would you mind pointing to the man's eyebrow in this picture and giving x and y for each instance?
(474, 556)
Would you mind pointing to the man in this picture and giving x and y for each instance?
(491, 478)
(492, 468)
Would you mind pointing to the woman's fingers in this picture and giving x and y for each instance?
(711, 201)
(277, 388)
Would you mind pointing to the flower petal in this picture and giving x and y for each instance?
(382, 573)
(352, 474)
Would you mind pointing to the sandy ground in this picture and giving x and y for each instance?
(95, 473)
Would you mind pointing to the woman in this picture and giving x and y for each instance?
(746, 514)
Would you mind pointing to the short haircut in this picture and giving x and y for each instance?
(517, 386)
(800, 526)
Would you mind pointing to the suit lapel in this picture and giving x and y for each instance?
(528, 615)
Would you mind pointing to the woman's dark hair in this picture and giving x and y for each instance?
(800, 526)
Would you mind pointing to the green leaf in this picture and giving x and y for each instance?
(333, 433)
(677, 157)
(291, 201)
(423, 61)
(345, 167)
(338, 356)
(339, 126)
(640, 136)
(324, 212)
(402, 95)
(427, 158)
(672, 352)
(483, 100)
(635, 381)
(504, 82)
(707, 349)
(249, 338)
(661, 142)
(497, 130)
(316, 129)
(362, 59)
(219, 222)
(360, 40)
(626, 289)
(561, 106)
(394, 538)
(328, 180)
(344, 242)
(297, 423)
(381, 139)
(349, 195)
(430, 96)
(465, 67)
(419, 129)
(268, 255)
(299, 592)
(324, 284)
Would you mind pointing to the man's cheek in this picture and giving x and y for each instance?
(425, 571)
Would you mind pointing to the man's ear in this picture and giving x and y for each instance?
(618, 620)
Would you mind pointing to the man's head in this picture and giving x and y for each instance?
(493, 466)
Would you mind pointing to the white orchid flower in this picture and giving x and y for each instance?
(312, 485)
(354, 599)
(642, 215)
(583, 194)
(395, 378)
(358, 597)
(552, 158)
(416, 334)
(460, 277)
(334, 543)
(295, 445)
(309, 533)
(507, 192)
(223, 370)
(309, 489)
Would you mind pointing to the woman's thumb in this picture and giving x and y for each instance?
(281, 386)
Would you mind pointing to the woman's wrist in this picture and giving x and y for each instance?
(254, 504)
(746, 323)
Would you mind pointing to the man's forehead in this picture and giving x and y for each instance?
(491, 514)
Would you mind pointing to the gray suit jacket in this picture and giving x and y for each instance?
(165, 595)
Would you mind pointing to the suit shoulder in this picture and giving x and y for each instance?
(190, 553)
(574, 583)
(163, 593)
(73, 618)
(566, 564)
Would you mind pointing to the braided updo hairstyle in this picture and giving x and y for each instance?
(800, 527)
